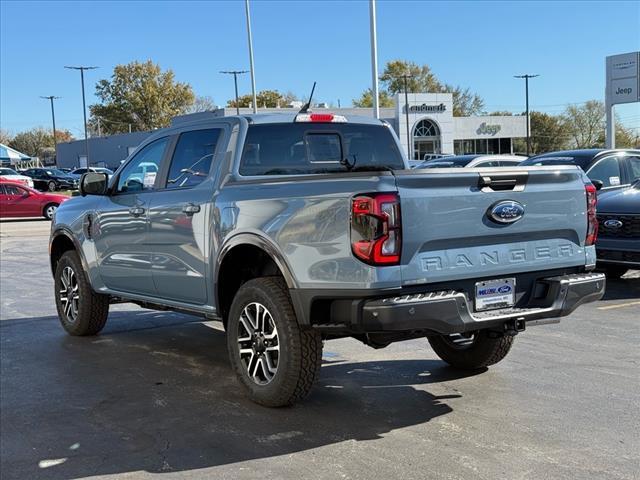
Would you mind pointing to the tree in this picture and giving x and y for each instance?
(38, 141)
(625, 137)
(500, 113)
(265, 99)
(366, 99)
(465, 103)
(585, 124)
(5, 137)
(201, 104)
(548, 133)
(140, 95)
(422, 79)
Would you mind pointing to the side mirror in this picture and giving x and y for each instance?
(94, 183)
(598, 184)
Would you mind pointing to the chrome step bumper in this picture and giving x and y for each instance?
(448, 312)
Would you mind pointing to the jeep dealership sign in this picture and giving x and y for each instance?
(623, 86)
(622, 78)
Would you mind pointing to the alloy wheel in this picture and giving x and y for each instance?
(258, 343)
(69, 294)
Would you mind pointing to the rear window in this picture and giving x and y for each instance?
(312, 148)
(568, 160)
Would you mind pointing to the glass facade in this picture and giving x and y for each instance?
(482, 145)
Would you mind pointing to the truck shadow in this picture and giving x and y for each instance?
(622, 289)
(154, 392)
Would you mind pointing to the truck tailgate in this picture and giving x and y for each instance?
(448, 231)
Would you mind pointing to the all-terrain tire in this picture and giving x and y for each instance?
(91, 308)
(300, 350)
(482, 352)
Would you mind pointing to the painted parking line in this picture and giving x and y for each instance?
(619, 305)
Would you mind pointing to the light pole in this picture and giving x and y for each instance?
(235, 74)
(526, 90)
(253, 73)
(405, 77)
(374, 57)
(51, 98)
(84, 107)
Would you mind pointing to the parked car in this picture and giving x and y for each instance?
(18, 200)
(607, 169)
(51, 179)
(474, 161)
(78, 172)
(8, 174)
(294, 229)
(618, 245)
(428, 156)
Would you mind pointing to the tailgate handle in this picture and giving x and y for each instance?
(515, 182)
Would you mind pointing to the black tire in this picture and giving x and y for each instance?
(300, 351)
(479, 353)
(51, 186)
(614, 271)
(92, 308)
(47, 211)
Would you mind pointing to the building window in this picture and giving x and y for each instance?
(505, 145)
(426, 139)
(482, 146)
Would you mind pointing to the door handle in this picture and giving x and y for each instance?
(136, 211)
(191, 208)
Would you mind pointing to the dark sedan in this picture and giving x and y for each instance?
(51, 179)
(607, 169)
(618, 244)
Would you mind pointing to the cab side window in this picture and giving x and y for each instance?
(141, 172)
(634, 164)
(192, 157)
(607, 171)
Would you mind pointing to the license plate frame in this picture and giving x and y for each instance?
(493, 294)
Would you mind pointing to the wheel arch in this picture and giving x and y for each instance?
(62, 241)
(245, 248)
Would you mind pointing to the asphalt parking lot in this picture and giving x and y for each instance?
(153, 395)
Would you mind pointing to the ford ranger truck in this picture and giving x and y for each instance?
(296, 229)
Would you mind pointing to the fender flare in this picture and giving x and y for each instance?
(266, 245)
(63, 232)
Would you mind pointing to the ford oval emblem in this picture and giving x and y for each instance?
(504, 289)
(613, 224)
(507, 211)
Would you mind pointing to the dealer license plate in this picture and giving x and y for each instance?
(495, 293)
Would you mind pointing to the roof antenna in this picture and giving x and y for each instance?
(306, 106)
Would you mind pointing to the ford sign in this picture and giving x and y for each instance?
(613, 224)
(507, 211)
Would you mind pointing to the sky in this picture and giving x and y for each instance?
(478, 44)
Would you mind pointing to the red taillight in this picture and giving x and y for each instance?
(592, 221)
(376, 228)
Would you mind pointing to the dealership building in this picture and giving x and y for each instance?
(428, 127)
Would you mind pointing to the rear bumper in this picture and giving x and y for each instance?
(451, 311)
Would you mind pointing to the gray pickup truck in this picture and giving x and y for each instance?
(295, 229)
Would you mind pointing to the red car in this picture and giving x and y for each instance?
(17, 200)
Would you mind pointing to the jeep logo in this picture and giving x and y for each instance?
(624, 91)
(485, 129)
